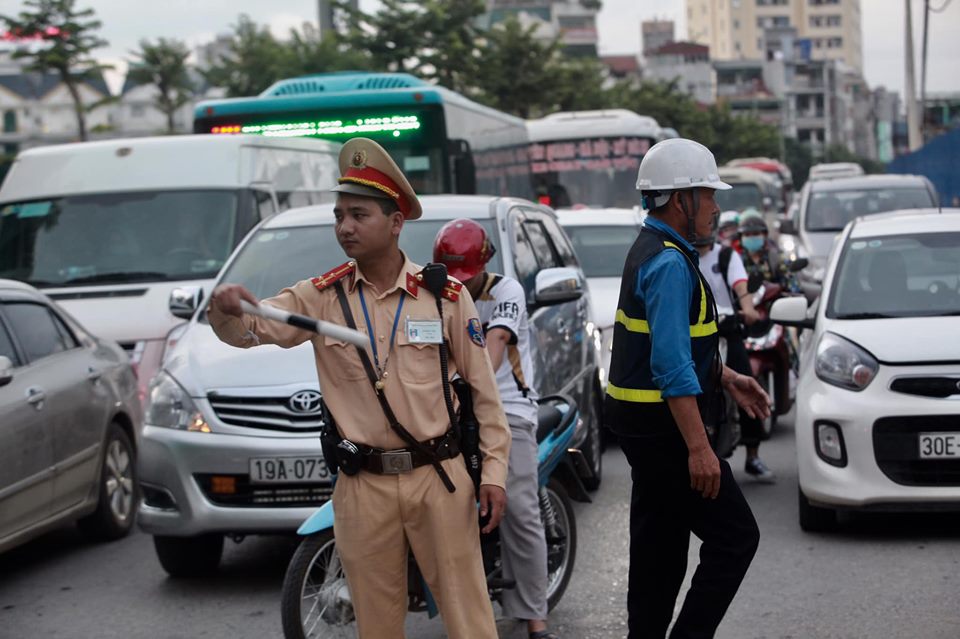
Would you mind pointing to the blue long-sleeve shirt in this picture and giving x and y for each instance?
(665, 285)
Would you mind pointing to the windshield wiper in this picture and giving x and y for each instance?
(119, 277)
(865, 316)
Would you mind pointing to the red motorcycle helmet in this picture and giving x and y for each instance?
(463, 247)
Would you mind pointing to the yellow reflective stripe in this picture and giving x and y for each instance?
(703, 299)
(633, 394)
(703, 330)
(631, 324)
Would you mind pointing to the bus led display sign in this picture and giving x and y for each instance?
(391, 125)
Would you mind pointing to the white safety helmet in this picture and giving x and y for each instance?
(729, 218)
(676, 164)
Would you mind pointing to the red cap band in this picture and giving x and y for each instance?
(373, 178)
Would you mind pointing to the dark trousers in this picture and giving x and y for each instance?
(751, 432)
(664, 510)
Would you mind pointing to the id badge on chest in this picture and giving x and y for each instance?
(424, 331)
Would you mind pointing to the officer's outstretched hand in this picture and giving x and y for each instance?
(493, 500)
(747, 393)
(226, 299)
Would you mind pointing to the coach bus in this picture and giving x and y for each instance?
(589, 158)
(444, 142)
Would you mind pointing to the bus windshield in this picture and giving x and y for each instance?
(590, 172)
(118, 237)
(742, 196)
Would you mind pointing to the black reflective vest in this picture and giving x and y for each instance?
(633, 404)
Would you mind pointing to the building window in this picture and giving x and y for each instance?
(10, 121)
(772, 3)
(736, 24)
(137, 111)
(835, 43)
(773, 21)
(834, 21)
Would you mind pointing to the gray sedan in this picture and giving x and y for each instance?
(70, 421)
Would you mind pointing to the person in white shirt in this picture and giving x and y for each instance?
(723, 269)
(462, 245)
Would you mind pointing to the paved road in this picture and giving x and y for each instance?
(880, 576)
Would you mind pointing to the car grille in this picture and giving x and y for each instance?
(927, 386)
(897, 450)
(265, 496)
(269, 413)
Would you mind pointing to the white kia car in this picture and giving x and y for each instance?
(878, 400)
(602, 238)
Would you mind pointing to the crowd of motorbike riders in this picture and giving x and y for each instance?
(747, 273)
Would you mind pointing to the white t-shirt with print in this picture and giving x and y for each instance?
(504, 305)
(710, 267)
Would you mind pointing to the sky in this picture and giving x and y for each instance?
(125, 22)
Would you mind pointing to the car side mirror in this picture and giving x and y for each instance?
(557, 285)
(788, 227)
(185, 300)
(798, 264)
(6, 370)
(791, 311)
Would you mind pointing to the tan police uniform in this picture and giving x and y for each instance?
(378, 517)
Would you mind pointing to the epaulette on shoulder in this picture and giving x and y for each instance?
(452, 290)
(333, 275)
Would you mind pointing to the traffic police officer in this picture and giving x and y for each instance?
(387, 508)
(664, 382)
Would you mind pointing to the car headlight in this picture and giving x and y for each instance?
(169, 406)
(842, 363)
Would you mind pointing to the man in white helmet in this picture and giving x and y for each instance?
(664, 383)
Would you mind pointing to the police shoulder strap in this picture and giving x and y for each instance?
(397, 427)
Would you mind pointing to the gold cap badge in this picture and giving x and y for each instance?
(360, 159)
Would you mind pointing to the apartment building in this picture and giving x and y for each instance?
(735, 29)
(573, 22)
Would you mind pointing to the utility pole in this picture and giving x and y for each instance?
(914, 140)
(923, 72)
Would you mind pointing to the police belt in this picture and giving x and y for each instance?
(403, 460)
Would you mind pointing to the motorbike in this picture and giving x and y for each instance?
(316, 601)
(772, 353)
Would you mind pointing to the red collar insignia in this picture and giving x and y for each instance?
(333, 275)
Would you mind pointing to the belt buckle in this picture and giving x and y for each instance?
(394, 462)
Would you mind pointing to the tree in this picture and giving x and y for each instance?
(307, 53)
(255, 61)
(164, 65)
(391, 37)
(516, 72)
(71, 35)
(449, 50)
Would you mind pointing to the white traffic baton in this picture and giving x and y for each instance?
(307, 323)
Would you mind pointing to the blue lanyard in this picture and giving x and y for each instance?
(373, 340)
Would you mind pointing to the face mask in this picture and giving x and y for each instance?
(753, 243)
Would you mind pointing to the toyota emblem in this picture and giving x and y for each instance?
(307, 401)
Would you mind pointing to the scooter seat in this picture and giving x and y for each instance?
(548, 418)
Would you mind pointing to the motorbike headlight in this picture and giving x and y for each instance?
(169, 406)
(842, 363)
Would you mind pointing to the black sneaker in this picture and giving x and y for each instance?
(758, 470)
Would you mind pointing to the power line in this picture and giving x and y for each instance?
(946, 3)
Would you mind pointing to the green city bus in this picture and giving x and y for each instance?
(444, 142)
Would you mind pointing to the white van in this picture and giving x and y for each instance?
(128, 234)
